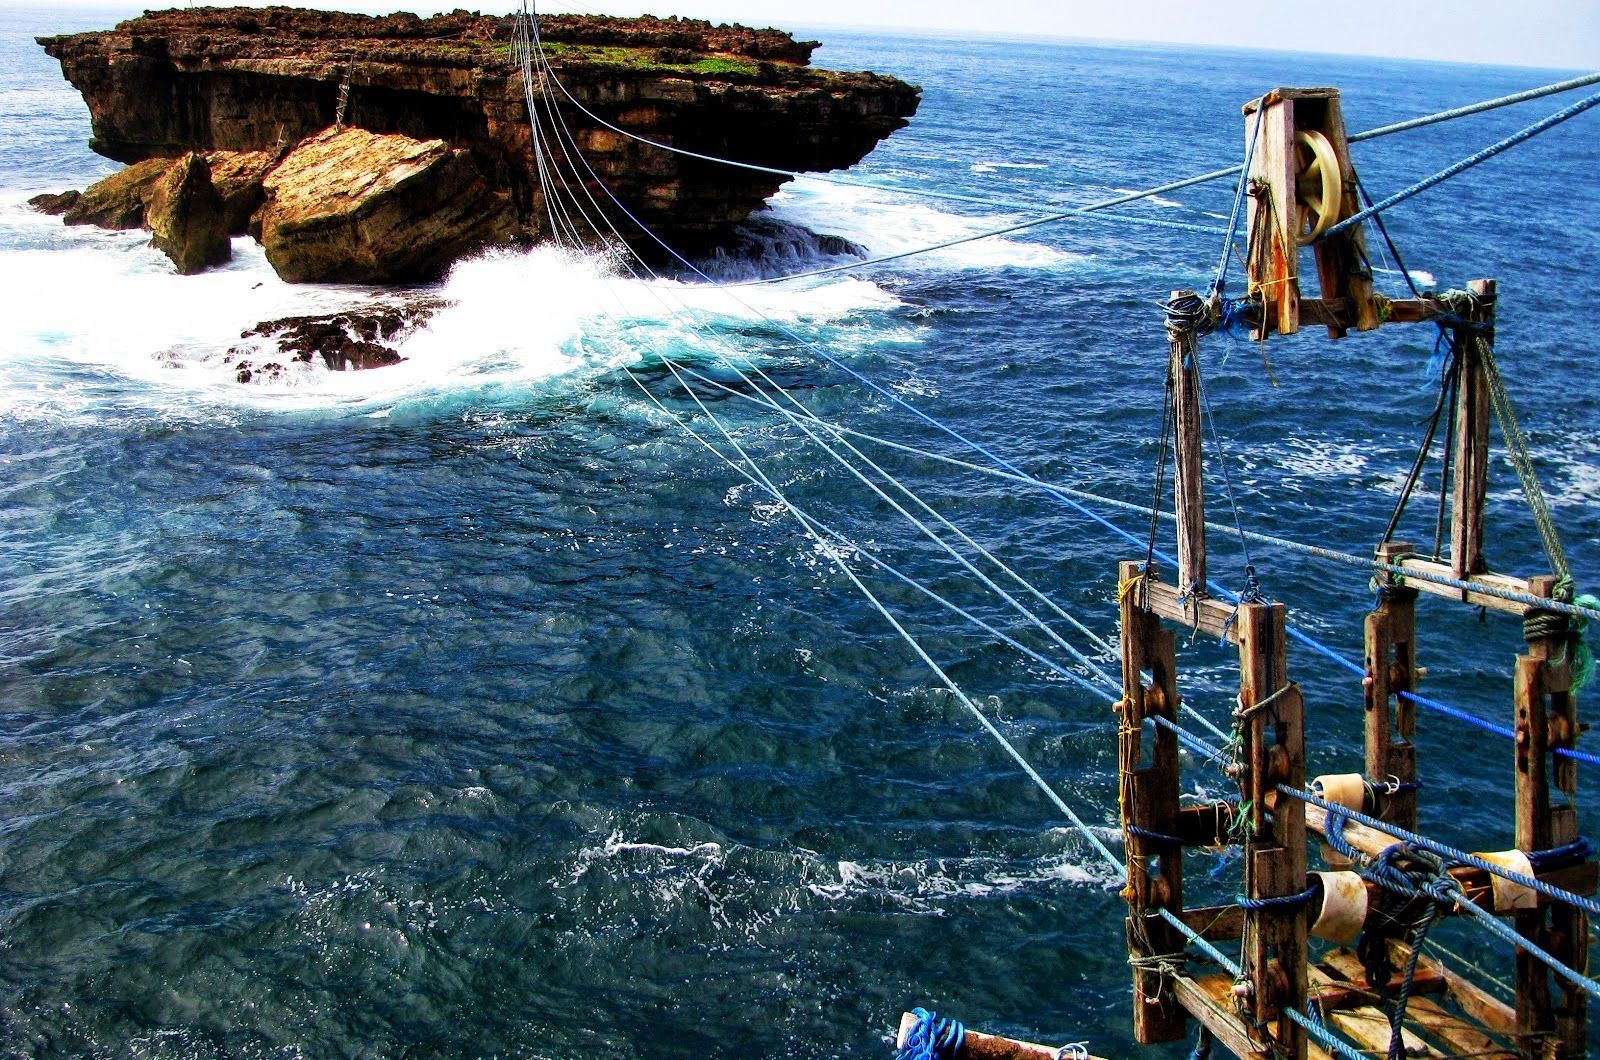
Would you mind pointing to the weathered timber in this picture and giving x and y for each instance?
(1149, 801)
(980, 1046)
(1188, 443)
(1470, 486)
(1273, 753)
(1391, 665)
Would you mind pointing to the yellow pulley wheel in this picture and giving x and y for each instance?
(1319, 184)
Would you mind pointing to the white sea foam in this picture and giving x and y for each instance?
(886, 222)
(98, 318)
(1153, 200)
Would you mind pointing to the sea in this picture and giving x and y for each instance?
(473, 707)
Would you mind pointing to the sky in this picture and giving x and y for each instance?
(1561, 34)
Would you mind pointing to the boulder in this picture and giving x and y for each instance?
(354, 340)
(352, 206)
(237, 176)
(118, 201)
(186, 217)
(55, 204)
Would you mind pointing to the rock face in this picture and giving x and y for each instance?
(352, 206)
(237, 176)
(57, 203)
(118, 200)
(186, 217)
(262, 80)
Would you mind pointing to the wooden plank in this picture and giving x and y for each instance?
(1210, 617)
(1345, 964)
(1274, 271)
(1369, 1028)
(1498, 581)
(1456, 1033)
(1149, 803)
(1215, 923)
(980, 1046)
(1470, 487)
(1477, 1003)
(1362, 1023)
(1188, 444)
(1209, 1000)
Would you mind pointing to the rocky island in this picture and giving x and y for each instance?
(378, 150)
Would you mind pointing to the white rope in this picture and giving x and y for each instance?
(932, 535)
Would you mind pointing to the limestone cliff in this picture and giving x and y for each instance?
(249, 80)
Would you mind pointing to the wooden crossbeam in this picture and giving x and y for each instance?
(1495, 581)
(1211, 617)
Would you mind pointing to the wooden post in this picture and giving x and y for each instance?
(1149, 798)
(1391, 661)
(1273, 726)
(1274, 265)
(1471, 443)
(1188, 466)
(1546, 719)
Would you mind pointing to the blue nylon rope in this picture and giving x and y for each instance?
(1465, 164)
(932, 1038)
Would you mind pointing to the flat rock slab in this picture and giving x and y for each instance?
(353, 206)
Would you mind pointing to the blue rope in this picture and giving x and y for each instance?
(1466, 163)
(932, 1038)
(1218, 284)
(1580, 849)
(1313, 1026)
(1205, 947)
(1159, 837)
(1283, 901)
(1190, 740)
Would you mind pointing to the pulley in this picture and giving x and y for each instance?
(1319, 184)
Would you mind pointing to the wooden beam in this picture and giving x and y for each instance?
(1496, 581)
(1274, 270)
(1215, 923)
(1342, 270)
(1188, 445)
(1471, 444)
(1273, 753)
(1476, 884)
(1391, 669)
(1211, 617)
(1546, 717)
(1210, 1001)
(1148, 795)
(980, 1046)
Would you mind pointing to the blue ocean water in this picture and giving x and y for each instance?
(470, 708)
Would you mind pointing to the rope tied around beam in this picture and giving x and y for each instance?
(932, 1037)
(1282, 901)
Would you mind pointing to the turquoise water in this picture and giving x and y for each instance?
(469, 708)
